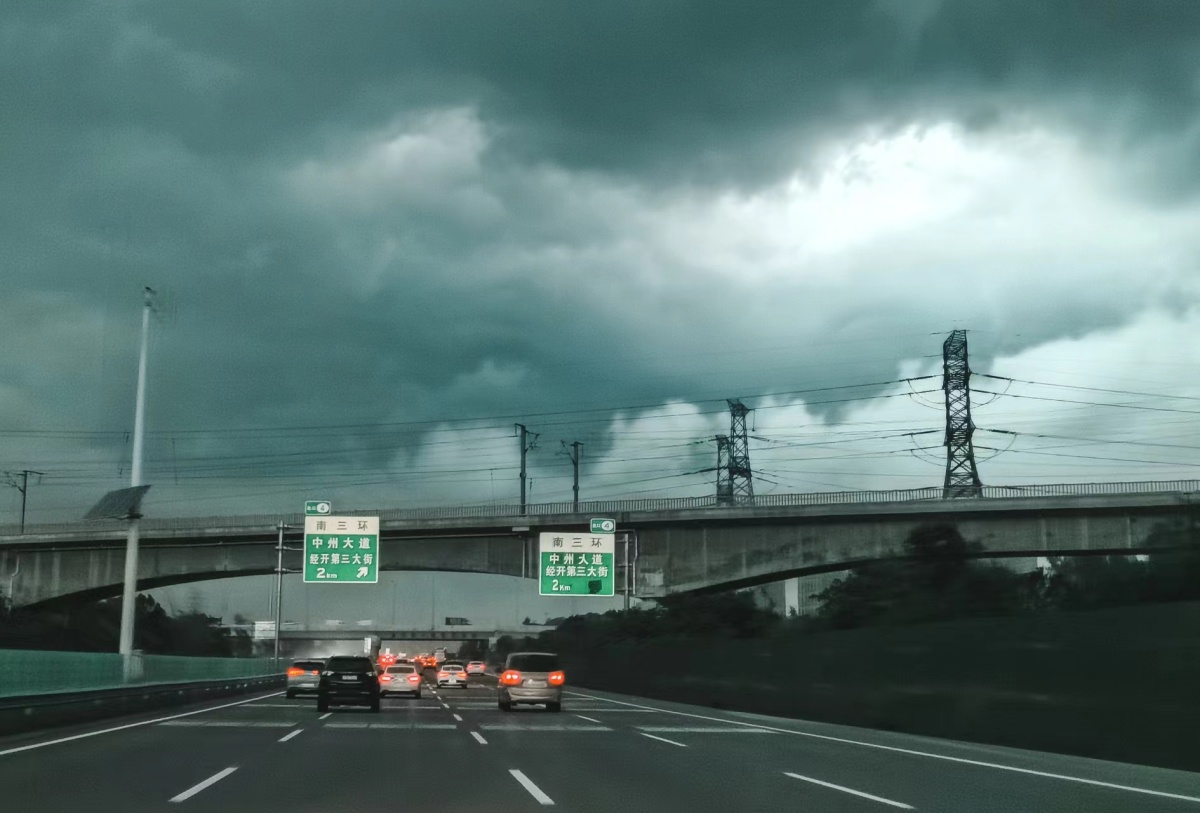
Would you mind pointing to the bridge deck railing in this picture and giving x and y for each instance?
(608, 507)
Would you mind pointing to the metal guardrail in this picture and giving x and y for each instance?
(605, 507)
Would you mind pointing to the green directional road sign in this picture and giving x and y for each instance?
(604, 526)
(318, 508)
(341, 550)
(577, 564)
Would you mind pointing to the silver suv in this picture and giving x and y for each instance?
(531, 677)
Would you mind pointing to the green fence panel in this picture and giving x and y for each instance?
(27, 672)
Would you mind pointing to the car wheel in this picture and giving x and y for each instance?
(554, 706)
(375, 705)
(290, 694)
(322, 705)
(505, 706)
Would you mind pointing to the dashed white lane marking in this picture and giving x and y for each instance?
(849, 790)
(274, 706)
(663, 739)
(456, 717)
(589, 719)
(533, 789)
(325, 715)
(130, 725)
(912, 752)
(479, 738)
(194, 789)
(288, 736)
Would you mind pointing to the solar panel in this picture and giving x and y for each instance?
(124, 503)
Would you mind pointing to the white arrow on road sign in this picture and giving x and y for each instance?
(362, 572)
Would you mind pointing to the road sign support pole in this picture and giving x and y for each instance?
(279, 590)
(626, 570)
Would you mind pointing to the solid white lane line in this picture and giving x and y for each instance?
(479, 737)
(589, 719)
(662, 739)
(288, 736)
(912, 752)
(326, 714)
(194, 789)
(533, 789)
(848, 790)
(129, 725)
(456, 717)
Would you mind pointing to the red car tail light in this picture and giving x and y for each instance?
(557, 678)
(385, 678)
(511, 677)
(462, 674)
(294, 672)
(414, 678)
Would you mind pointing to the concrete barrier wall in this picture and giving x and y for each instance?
(19, 714)
(1120, 684)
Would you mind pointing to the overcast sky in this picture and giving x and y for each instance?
(384, 232)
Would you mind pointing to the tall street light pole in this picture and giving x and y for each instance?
(129, 594)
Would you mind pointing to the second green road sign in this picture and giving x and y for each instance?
(577, 564)
(341, 550)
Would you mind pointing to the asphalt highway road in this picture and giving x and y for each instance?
(454, 751)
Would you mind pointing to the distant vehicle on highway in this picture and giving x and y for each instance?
(533, 678)
(402, 678)
(349, 679)
(304, 676)
(476, 668)
(452, 674)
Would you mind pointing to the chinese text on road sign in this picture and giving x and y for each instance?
(604, 526)
(318, 508)
(342, 550)
(577, 564)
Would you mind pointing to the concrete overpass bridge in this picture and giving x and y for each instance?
(681, 545)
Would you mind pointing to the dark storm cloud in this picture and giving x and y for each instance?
(214, 149)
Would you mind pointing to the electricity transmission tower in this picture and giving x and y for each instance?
(962, 475)
(741, 481)
(724, 486)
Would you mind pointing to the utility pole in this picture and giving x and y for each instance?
(574, 455)
(741, 483)
(528, 442)
(23, 487)
(129, 594)
(962, 475)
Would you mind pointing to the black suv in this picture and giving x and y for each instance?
(348, 679)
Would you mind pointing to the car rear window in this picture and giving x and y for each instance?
(449, 667)
(533, 663)
(400, 670)
(346, 664)
(308, 666)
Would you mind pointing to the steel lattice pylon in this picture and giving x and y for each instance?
(962, 476)
(724, 487)
(741, 482)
